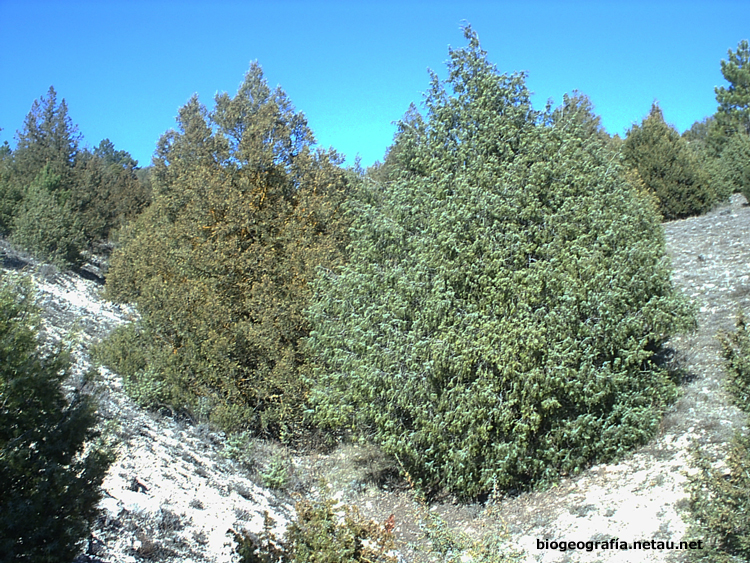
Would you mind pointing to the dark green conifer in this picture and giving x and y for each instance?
(48, 139)
(733, 115)
(45, 223)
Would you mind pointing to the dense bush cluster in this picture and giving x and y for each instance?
(57, 199)
(49, 480)
(497, 322)
(720, 496)
(245, 209)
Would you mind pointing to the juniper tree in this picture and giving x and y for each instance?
(48, 139)
(107, 193)
(668, 168)
(506, 292)
(57, 200)
(245, 208)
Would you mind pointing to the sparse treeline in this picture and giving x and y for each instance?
(487, 304)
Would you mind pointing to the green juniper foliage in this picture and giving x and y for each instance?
(49, 481)
(722, 141)
(737, 357)
(108, 192)
(245, 208)
(720, 504)
(735, 164)
(505, 296)
(668, 168)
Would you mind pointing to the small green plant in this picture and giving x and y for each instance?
(457, 547)
(720, 505)
(323, 532)
(720, 495)
(146, 388)
(127, 352)
(239, 447)
(276, 476)
(737, 355)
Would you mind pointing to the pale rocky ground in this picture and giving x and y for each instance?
(172, 494)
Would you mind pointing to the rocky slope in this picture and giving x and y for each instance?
(173, 493)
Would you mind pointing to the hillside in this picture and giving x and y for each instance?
(173, 492)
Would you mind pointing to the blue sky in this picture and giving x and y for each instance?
(125, 68)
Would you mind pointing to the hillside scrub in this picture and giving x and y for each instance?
(245, 209)
(720, 496)
(507, 292)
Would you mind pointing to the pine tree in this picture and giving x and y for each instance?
(48, 139)
(733, 115)
(50, 480)
(505, 294)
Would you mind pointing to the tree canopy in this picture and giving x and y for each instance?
(58, 200)
(733, 115)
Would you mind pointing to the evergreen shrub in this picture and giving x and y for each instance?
(720, 504)
(108, 192)
(129, 351)
(737, 360)
(44, 224)
(323, 532)
(50, 470)
(735, 164)
(668, 168)
(506, 293)
(245, 208)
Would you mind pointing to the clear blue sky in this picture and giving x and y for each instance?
(125, 67)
